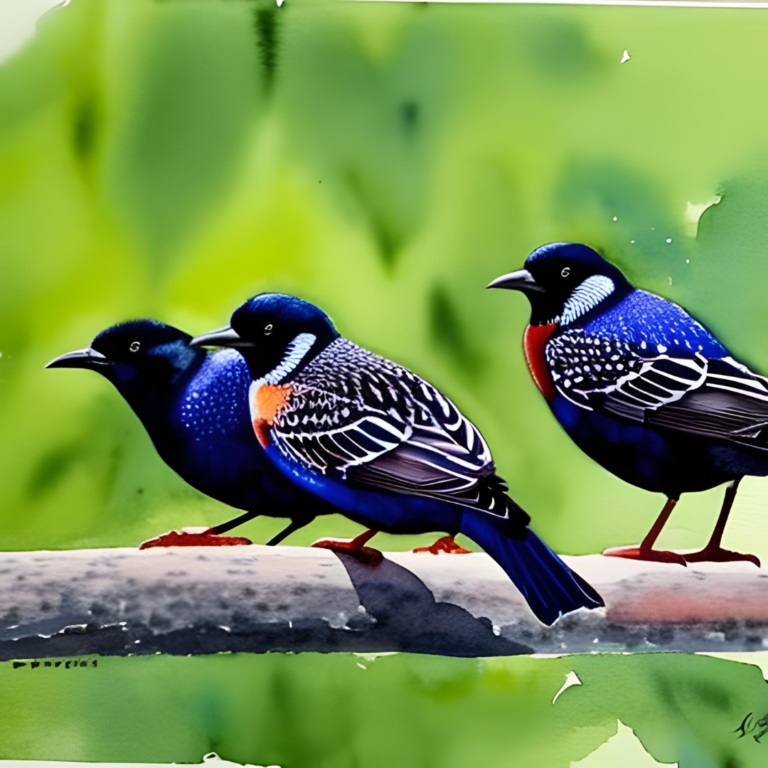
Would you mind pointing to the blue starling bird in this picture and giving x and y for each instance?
(641, 386)
(372, 438)
(194, 405)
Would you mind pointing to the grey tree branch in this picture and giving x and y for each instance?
(258, 599)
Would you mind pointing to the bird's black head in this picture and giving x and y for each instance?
(137, 356)
(566, 281)
(276, 334)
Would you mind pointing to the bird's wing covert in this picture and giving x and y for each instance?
(381, 426)
(693, 394)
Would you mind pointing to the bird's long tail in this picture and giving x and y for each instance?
(548, 585)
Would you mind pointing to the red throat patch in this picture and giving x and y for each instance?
(266, 403)
(534, 341)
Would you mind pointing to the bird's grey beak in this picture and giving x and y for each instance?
(222, 337)
(80, 358)
(522, 280)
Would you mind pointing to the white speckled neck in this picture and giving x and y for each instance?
(295, 352)
(586, 296)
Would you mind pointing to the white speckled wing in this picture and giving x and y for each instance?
(377, 424)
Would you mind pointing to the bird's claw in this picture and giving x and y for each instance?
(720, 555)
(353, 547)
(646, 554)
(194, 537)
(445, 544)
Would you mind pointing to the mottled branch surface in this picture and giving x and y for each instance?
(258, 599)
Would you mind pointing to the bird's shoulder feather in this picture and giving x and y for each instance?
(655, 325)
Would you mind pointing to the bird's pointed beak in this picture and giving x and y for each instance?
(80, 358)
(222, 337)
(522, 280)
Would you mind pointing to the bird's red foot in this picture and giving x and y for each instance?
(447, 545)
(355, 547)
(645, 553)
(720, 555)
(194, 537)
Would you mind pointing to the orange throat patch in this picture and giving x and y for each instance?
(534, 341)
(266, 402)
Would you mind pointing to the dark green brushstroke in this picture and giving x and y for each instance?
(449, 334)
(267, 27)
(382, 229)
(52, 468)
(411, 112)
(84, 130)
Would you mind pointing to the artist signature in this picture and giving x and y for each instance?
(56, 664)
(758, 728)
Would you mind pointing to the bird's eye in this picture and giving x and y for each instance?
(566, 271)
(268, 329)
(135, 346)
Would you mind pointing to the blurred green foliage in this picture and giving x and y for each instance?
(169, 159)
(386, 161)
(346, 711)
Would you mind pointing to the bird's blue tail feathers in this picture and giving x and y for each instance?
(548, 585)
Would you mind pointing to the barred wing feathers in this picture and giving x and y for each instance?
(378, 425)
(718, 398)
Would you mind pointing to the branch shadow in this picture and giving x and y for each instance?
(406, 617)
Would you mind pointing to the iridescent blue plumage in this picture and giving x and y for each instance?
(373, 439)
(654, 325)
(214, 401)
(194, 406)
(641, 386)
(212, 445)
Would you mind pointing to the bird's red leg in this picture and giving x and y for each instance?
(713, 552)
(447, 544)
(355, 547)
(645, 550)
(202, 537)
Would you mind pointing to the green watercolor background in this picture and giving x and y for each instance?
(386, 161)
(169, 159)
(348, 711)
